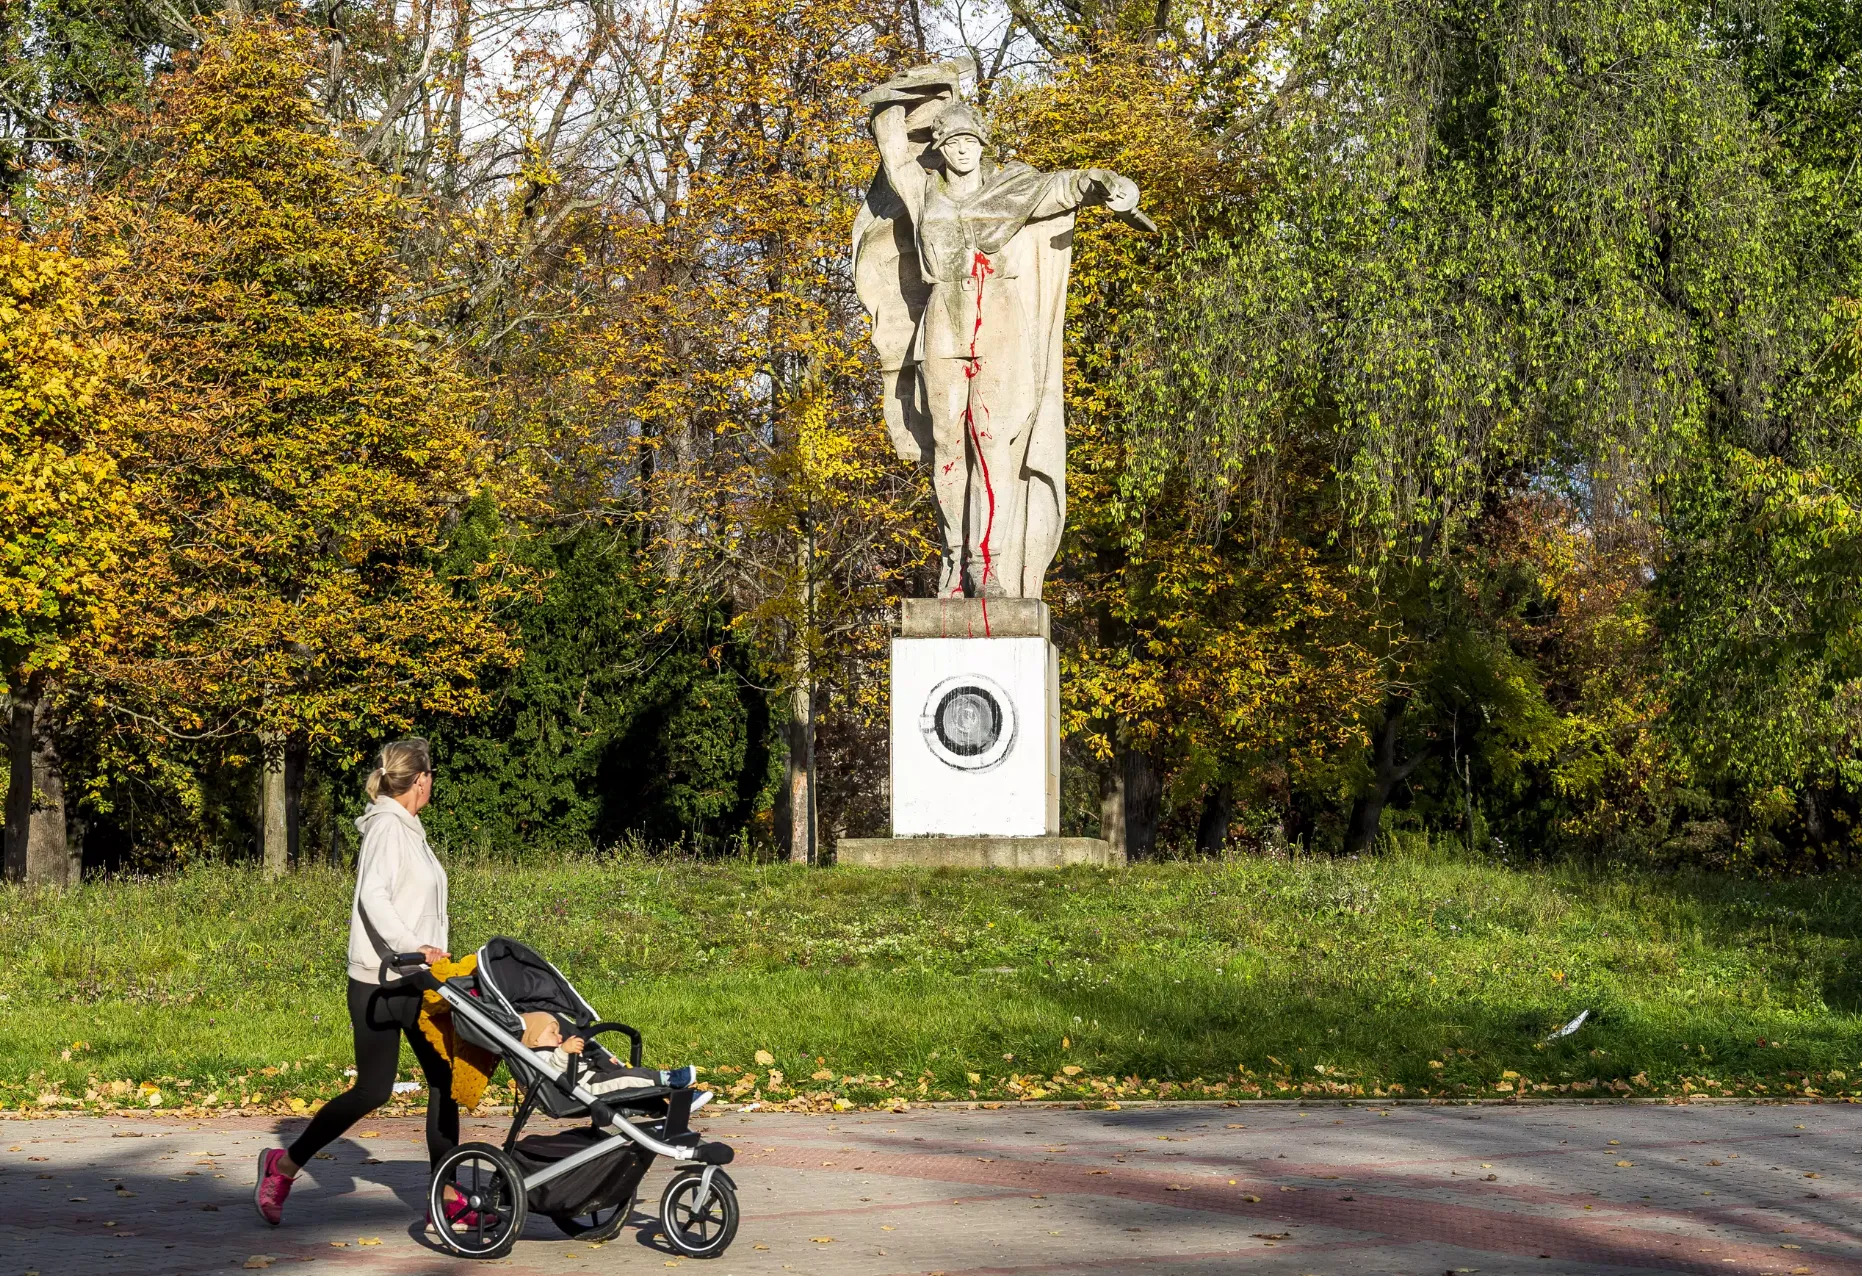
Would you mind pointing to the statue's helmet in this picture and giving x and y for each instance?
(955, 120)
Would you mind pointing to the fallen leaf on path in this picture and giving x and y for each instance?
(260, 1260)
(759, 1247)
(1176, 1187)
(368, 1240)
(822, 1240)
(1790, 1247)
(369, 1134)
(1625, 1165)
(1270, 1236)
(1252, 1200)
(339, 1244)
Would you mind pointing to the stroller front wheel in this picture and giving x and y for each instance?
(495, 1208)
(699, 1229)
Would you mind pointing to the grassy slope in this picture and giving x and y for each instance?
(1367, 970)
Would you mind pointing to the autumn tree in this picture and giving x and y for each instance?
(304, 437)
(738, 357)
(66, 514)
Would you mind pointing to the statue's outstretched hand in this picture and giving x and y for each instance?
(1119, 192)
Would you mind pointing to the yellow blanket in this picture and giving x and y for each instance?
(472, 1066)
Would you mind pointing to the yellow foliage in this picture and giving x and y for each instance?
(65, 510)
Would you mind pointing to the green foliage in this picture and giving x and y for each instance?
(60, 58)
(629, 712)
(1499, 253)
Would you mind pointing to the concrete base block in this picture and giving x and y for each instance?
(976, 852)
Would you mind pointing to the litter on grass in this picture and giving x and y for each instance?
(1571, 1027)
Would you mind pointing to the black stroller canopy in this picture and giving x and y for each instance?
(525, 981)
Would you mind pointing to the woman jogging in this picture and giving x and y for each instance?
(400, 907)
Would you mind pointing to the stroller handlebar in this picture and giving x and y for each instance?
(397, 962)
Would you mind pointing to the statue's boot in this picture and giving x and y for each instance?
(990, 588)
(950, 574)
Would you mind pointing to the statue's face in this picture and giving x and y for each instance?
(962, 153)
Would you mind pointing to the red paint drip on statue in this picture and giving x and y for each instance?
(980, 270)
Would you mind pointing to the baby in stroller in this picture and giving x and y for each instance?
(604, 1074)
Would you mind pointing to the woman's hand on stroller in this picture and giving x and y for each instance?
(434, 955)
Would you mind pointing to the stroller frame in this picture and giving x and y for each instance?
(564, 1093)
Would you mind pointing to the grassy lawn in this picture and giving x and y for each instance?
(1396, 975)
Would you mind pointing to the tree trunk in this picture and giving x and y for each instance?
(1367, 813)
(1143, 805)
(1112, 807)
(1218, 810)
(802, 849)
(296, 763)
(274, 839)
(19, 786)
(40, 848)
(1128, 804)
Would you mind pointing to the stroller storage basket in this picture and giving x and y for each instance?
(606, 1181)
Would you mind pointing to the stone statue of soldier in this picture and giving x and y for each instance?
(962, 265)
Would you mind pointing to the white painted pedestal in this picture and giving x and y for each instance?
(975, 742)
(975, 737)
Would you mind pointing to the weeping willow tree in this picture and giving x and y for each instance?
(1498, 249)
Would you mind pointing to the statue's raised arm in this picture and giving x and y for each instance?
(962, 266)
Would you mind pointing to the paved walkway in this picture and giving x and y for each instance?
(1177, 1191)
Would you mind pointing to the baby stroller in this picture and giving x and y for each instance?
(585, 1180)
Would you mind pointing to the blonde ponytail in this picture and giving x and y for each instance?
(402, 763)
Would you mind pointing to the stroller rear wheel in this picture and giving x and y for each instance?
(602, 1224)
(699, 1229)
(495, 1209)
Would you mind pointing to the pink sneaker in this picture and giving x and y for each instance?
(272, 1187)
(460, 1216)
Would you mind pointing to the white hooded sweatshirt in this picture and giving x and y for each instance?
(400, 889)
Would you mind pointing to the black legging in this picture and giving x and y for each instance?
(381, 1018)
